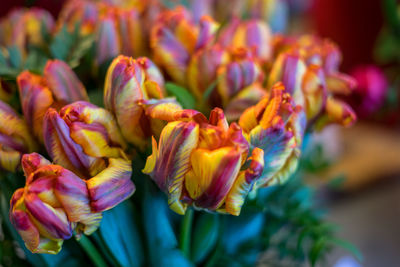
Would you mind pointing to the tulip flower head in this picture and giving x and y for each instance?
(15, 138)
(133, 93)
(175, 37)
(58, 86)
(53, 204)
(276, 125)
(308, 68)
(252, 34)
(199, 162)
(23, 27)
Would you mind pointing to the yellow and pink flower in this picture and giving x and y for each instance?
(276, 125)
(58, 86)
(15, 138)
(175, 37)
(53, 204)
(86, 140)
(199, 162)
(133, 93)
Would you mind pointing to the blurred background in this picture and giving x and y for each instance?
(355, 172)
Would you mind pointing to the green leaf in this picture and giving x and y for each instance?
(35, 61)
(184, 97)
(70, 46)
(119, 232)
(15, 57)
(205, 236)
(348, 246)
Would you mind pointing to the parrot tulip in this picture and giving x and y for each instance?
(58, 86)
(276, 125)
(15, 138)
(199, 162)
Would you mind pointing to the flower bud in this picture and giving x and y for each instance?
(198, 162)
(45, 211)
(86, 140)
(15, 138)
(23, 27)
(252, 34)
(175, 37)
(58, 86)
(79, 11)
(275, 125)
(129, 86)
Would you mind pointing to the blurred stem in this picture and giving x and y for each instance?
(92, 252)
(185, 235)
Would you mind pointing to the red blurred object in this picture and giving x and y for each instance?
(53, 6)
(353, 24)
(371, 90)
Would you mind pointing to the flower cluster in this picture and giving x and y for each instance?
(260, 91)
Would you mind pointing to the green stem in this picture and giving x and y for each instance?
(186, 231)
(92, 252)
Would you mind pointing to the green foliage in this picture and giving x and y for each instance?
(70, 46)
(279, 227)
(205, 236)
(184, 97)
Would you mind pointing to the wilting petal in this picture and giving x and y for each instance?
(244, 183)
(171, 160)
(63, 82)
(74, 196)
(111, 186)
(36, 98)
(212, 176)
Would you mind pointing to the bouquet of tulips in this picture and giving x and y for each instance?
(183, 158)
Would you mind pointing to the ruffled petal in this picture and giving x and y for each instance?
(111, 186)
(73, 194)
(212, 176)
(169, 163)
(244, 183)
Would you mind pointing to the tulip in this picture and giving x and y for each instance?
(86, 140)
(23, 27)
(252, 34)
(58, 86)
(175, 37)
(119, 32)
(79, 11)
(234, 76)
(15, 138)
(129, 87)
(53, 204)
(276, 125)
(198, 162)
(241, 72)
(308, 68)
